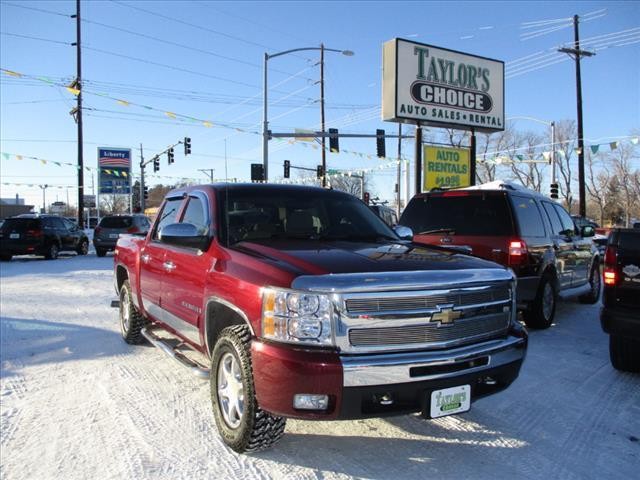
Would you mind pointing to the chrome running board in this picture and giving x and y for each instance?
(174, 353)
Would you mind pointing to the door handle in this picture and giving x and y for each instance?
(169, 266)
(145, 258)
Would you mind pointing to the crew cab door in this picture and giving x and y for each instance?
(186, 273)
(152, 259)
(562, 244)
(581, 251)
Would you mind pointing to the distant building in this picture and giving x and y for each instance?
(12, 201)
(10, 207)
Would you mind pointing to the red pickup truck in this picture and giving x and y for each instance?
(301, 302)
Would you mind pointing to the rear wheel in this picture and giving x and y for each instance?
(541, 312)
(624, 353)
(243, 426)
(101, 252)
(52, 252)
(83, 248)
(131, 321)
(594, 283)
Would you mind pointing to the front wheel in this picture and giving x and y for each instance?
(83, 248)
(100, 252)
(541, 312)
(243, 426)
(594, 284)
(131, 321)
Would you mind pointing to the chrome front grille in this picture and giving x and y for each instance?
(372, 305)
(428, 319)
(432, 332)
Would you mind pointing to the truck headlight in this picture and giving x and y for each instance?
(297, 317)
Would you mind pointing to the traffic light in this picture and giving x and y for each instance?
(319, 171)
(156, 163)
(170, 156)
(380, 144)
(554, 190)
(146, 192)
(257, 172)
(187, 145)
(287, 169)
(334, 147)
(366, 198)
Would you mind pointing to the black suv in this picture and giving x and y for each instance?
(620, 316)
(105, 235)
(41, 235)
(518, 228)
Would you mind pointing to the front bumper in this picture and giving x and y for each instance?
(357, 384)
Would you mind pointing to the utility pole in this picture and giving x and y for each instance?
(142, 199)
(324, 153)
(208, 171)
(399, 177)
(576, 53)
(78, 85)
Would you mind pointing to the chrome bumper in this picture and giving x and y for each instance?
(391, 369)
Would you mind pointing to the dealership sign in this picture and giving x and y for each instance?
(445, 167)
(439, 87)
(114, 165)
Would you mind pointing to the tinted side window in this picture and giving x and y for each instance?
(528, 216)
(168, 215)
(195, 214)
(57, 223)
(69, 225)
(553, 218)
(567, 222)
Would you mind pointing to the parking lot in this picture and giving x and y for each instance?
(77, 402)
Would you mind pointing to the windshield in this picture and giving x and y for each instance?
(299, 214)
(482, 215)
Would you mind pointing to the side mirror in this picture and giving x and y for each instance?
(184, 235)
(588, 231)
(405, 233)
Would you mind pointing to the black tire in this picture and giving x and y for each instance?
(52, 252)
(101, 252)
(83, 248)
(130, 319)
(624, 353)
(6, 257)
(244, 427)
(595, 282)
(541, 312)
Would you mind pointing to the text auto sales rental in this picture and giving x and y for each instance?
(427, 85)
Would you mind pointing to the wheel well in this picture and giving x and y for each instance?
(551, 271)
(121, 276)
(219, 317)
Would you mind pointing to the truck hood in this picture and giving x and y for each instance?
(317, 257)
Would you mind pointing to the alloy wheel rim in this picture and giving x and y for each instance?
(595, 281)
(230, 390)
(547, 301)
(125, 312)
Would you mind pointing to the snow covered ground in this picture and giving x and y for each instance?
(78, 403)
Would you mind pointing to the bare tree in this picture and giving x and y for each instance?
(621, 159)
(352, 185)
(565, 141)
(114, 203)
(596, 184)
(529, 174)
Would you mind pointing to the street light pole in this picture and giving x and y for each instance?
(324, 152)
(265, 122)
(44, 204)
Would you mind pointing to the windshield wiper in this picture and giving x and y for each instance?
(449, 231)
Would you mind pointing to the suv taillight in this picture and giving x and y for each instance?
(96, 231)
(610, 271)
(33, 233)
(517, 252)
(133, 229)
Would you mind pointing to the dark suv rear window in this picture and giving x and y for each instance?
(482, 215)
(629, 240)
(116, 222)
(20, 224)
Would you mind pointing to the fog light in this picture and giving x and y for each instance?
(304, 401)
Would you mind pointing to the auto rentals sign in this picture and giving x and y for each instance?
(445, 167)
(439, 87)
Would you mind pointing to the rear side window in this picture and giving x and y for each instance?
(20, 225)
(481, 215)
(116, 222)
(528, 216)
(629, 241)
(556, 226)
(567, 222)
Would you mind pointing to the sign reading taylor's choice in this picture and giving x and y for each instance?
(443, 88)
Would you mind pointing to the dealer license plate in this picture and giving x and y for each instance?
(450, 401)
(114, 235)
(14, 235)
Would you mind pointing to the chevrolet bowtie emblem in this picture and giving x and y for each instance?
(446, 316)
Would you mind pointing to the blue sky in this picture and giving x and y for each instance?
(218, 77)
